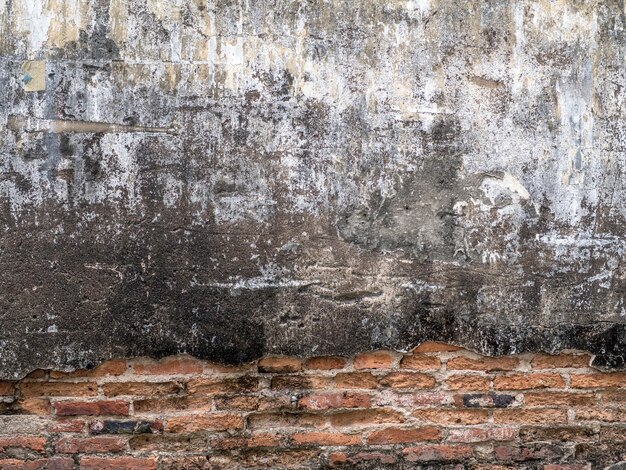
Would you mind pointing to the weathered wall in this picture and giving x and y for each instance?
(439, 408)
(231, 178)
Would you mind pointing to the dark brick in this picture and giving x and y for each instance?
(126, 427)
(502, 401)
(485, 400)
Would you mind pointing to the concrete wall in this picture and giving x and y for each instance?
(232, 179)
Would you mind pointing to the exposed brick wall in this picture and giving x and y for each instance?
(439, 407)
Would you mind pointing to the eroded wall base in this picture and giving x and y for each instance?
(439, 407)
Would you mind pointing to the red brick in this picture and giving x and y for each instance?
(380, 457)
(535, 416)
(403, 435)
(613, 397)
(214, 422)
(337, 458)
(117, 463)
(33, 406)
(91, 408)
(151, 389)
(558, 398)
(598, 452)
(373, 360)
(38, 374)
(528, 381)
(433, 346)
(613, 434)
(492, 467)
(33, 443)
(599, 380)
(437, 415)
(483, 363)
(325, 439)
(247, 442)
(265, 421)
(240, 403)
(187, 443)
(58, 389)
(557, 434)
(53, 463)
(67, 425)
(334, 400)
(299, 382)
(355, 380)
(601, 414)
(210, 386)
(274, 459)
(266, 403)
(89, 445)
(256, 458)
(529, 452)
(366, 417)
(178, 365)
(418, 361)
(7, 388)
(279, 364)
(467, 382)
(411, 380)
(561, 361)
(325, 363)
(218, 461)
(482, 435)
(167, 405)
(112, 367)
(434, 452)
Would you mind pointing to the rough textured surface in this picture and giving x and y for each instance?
(439, 408)
(232, 179)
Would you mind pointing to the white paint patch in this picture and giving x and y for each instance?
(418, 6)
(513, 184)
(494, 186)
(35, 21)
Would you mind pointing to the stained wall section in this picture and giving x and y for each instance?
(233, 179)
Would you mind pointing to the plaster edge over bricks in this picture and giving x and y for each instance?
(439, 406)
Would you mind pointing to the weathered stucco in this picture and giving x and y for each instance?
(234, 178)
